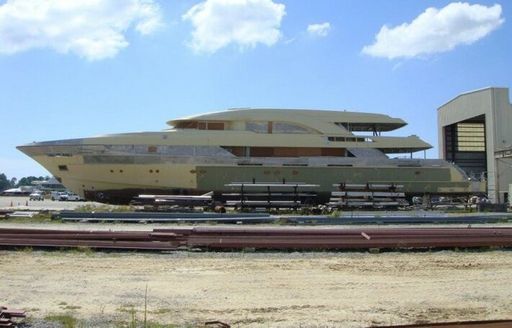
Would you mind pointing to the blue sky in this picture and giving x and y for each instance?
(108, 66)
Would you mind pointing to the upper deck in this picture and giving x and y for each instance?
(293, 120)
(264, 133)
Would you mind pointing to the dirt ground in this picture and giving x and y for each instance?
(260, 289)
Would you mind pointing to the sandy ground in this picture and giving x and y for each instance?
(261, 289)
(23, 203)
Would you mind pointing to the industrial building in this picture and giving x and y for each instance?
(475, 133)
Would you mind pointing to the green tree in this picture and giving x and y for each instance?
(4, 182)
(27, 181)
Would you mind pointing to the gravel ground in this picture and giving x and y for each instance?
(260, 289)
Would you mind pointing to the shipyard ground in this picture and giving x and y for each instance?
(251, 289)
(259, 289)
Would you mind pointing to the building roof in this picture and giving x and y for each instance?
(469, 92)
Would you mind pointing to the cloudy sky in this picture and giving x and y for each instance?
(88, 67)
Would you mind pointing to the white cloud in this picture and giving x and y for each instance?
(436, 30)
(319, 29)
(218, 23)
(89, 28)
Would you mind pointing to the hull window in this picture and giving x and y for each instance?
(285, 151)
(349, 139)
(258, 127)
(282, 127)
(201, 125)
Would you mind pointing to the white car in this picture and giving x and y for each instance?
(63, 196)
(73, 197)
(55, 195)
(36, 196)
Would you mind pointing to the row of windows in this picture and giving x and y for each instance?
(349, 139)
(65, 168)
(284, 151)
(253, 126)
(150, 171)
(276, 127)
(201, 125)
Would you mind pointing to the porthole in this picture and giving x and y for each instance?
(157, 171)
(120, 171)
(150, 171)
(111, 171)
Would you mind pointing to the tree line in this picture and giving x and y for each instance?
(6, 183)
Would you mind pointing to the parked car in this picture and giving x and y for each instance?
(36, 196)
(73, 197)
(65, 196)
(55, 195)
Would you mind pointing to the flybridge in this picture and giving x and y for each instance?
(293, 115)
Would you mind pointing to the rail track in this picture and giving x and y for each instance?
(274, 238)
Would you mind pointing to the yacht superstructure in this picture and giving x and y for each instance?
(206, 152)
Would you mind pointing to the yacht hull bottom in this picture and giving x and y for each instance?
(118, 180)
(199, 180)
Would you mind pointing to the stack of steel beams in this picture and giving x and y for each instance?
(368, 195)
(7, 316)
(275, 238)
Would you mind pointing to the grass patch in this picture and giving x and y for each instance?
(126, 308)
(335, 214)
(67, 320)
(149, 324)
(72, 307)
(137, 317)
(26, 249)
(104, 208)
(79, 250)
(160, 311)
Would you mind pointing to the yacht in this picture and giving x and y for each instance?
(208, 152)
